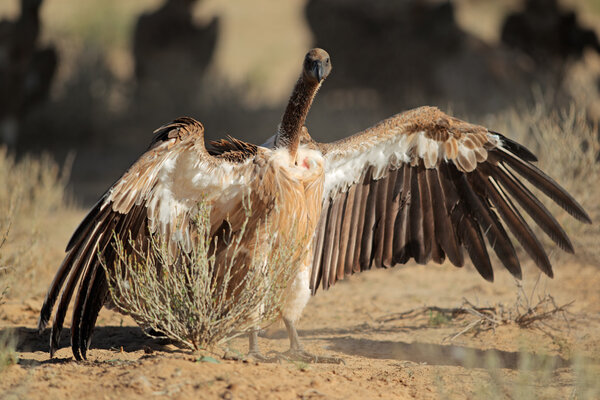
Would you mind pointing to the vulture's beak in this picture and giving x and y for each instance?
(317, 70)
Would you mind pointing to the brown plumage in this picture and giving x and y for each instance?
(232, 149)
(420, 185)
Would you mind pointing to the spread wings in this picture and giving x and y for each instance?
(424, 185)
(156, 194)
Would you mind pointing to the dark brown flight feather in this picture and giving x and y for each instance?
(543, 182)
(402, 250)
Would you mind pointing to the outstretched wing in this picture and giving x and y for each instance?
(424, 185)
(156, 194)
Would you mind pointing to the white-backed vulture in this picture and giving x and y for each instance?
(420, 185)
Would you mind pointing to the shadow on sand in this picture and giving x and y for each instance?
(342, 341)
(125, 338)
(440, 354)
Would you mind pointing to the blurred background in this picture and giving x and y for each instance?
(94, 78)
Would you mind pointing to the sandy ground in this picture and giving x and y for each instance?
(386, 356)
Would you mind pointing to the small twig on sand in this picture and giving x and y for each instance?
(541, 312)
(452, 312)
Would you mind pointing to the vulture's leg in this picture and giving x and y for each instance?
(254, 353)
(253, 350)
(290, 326)
(253, 343)
(298, 297)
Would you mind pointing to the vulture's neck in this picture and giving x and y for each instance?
(295, 115)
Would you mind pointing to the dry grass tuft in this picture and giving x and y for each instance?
(33, 189)
(32, 184)
(8, 342)
(4, 230)
(190, 298)
(8, 346)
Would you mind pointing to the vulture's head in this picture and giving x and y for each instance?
(317, 65)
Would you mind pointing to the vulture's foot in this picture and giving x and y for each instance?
(233, 355)
(297, 352)
(257, 356)
(254, 353)
(252, 356)
(301, 355)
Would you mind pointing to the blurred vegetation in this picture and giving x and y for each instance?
(8, 345)
(34, 190)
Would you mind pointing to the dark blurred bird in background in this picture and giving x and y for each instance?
(547, 33)
(168, 41)
(26, 69)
